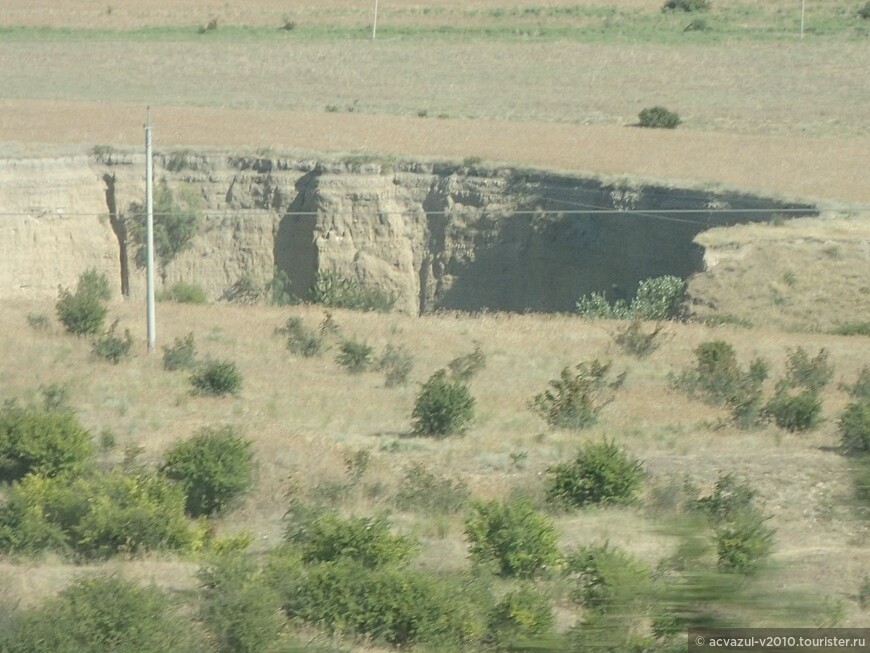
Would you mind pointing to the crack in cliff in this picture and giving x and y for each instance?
(119, 227)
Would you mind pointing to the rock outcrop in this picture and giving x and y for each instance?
(433, 235)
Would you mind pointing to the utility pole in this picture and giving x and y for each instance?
(803, 7)
(375, 22)
(149, 234)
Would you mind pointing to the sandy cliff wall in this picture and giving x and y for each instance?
(433, 235)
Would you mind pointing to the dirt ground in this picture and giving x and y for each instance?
(804, 167)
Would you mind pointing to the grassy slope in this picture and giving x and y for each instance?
(306, 415)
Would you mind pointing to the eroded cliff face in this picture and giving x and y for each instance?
(433, 235)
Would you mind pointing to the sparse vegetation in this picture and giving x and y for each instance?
(396, 363)
(602, 473)
(443, 407)
(184, 293)
(181, 355)
(112, 347)
(658, 118)
(465, 367)
(686, 5)
(214, 467)
(301, 340)
(864, 12)
(245, 290)
(423, 491)
(355, 357)
(633, 340)
(575, 398)
(38, 321)
(217, 378)
(606, 579)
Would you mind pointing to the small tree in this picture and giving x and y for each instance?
(443, 406)
(214, 467)
(84, 311)
(112, 347)
(658, 118)
(174, 226)
(601, 473)
(512, 537)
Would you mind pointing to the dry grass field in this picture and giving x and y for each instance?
(553, 84)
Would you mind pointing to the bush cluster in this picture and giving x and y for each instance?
(606, 578)
(521, 614)
(602, 473)
(213, 467)
(743, 538)
(102, 614)
(657, 298)
(511, 537)
(575, 398)
(95, 515)
(718, 378)
(797, 405)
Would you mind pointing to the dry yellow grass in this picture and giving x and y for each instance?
(306, 415)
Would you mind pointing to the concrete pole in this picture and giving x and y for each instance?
(149, 234)
(803, 7)
(375, 22)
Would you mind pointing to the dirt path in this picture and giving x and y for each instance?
(803, 167)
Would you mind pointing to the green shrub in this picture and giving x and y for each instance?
(55, 397)
(421, 490)
(217, 378)
(181, 355)
(602, 473)
(658, 118)
(634, 341)
(396, 363)
(864, 12)
(245, 290)
(240, 610)
(331, 289)
(607, 579)
(38, 321)
(521, 614)
(355, 357)
(102, 615)
(465, 367)
(278, 290)
(214, 467)
(686, 5)
(184, 293)
(301, 340)
(96, 515)
(854, 427)
(511, 537)
(799, 412)
(366, 540)
(175, 226)
(811, 374)
(397, 606)
(743, 538)
(575, 399)
(84, 311)
(853, 329)
(42, 442)
(861, 388)
(443, 406)
(111, 347)
(657, 298)
(719, 379)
